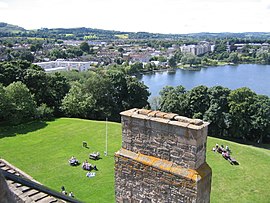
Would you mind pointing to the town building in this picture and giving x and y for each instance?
(199, 49)
(63, 65)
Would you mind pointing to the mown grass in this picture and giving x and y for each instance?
(42, 150)
(122, 36)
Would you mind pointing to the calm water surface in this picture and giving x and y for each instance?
(256, 77)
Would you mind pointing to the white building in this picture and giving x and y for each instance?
(201, 48)
(62, 65)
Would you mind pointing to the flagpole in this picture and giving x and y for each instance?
(106, 152)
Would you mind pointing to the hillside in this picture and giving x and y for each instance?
(42, 149)
(83, 33)
(8, 28)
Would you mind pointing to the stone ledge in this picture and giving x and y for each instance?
(167, 166)
(170, 118)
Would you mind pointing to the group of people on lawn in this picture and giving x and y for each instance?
(63, 191)
(86, 165)
(226, 153)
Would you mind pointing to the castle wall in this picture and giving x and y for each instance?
(162, 159)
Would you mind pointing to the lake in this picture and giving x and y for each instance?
(256, 77)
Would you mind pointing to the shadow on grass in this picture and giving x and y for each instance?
(10, 131)
(241, 141)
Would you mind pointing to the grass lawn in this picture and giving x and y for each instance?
(42, 150)
(122, 36)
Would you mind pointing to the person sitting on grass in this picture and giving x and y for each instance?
(228, 157)
(71, 194)
(86, 166)
(227, 149)
(63, 190)
(95, 167)
(73, 161)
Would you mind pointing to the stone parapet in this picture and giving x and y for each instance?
(142, 178)
(165, 135)
(162, 159)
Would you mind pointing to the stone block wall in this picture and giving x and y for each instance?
(162, 159)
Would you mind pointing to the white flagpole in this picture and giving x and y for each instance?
(106, 152)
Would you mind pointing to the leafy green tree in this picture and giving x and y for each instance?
(44, 112)
(135, 68)
(37, 83)
(241, 102)
(233, 57)
(137, 94)
(57, 54)
(4, 104)
(84, 46)
(190, 59)
(77, 102)
(260, 119)
(173, 99)
(172, 62)
(57, 88)
(218, 111)
(73, 52)
(98, 86)
(22, 104)
(219, 48)
(198, 101)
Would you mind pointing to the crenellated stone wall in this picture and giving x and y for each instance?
(162, 158)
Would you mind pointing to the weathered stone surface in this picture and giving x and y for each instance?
(162, 158)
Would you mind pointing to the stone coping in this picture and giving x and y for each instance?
(20, 172)
(169, 118)
(167, 166)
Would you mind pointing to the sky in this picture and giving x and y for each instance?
(156, 16)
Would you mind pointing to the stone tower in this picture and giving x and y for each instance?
(162, 159)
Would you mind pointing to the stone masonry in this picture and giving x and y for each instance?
(162, 159)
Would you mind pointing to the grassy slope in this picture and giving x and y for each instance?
(42, 150)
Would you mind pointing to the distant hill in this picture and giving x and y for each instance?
(82, 33)
(8, 28)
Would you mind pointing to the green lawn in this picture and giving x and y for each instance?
(42, 150)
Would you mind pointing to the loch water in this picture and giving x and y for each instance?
(254, 76)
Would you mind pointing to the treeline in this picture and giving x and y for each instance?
(7, 30)
(27, 93)
(239, 113)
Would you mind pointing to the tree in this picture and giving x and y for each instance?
(173, 99)
(218, 111)
(172, 62)
(27, 55)
(84, 46)
(137, 94)
(135, 68)
(57, 53)
(233, 57)
(22, 104)
(190, 59)
(241, 102)
(260, 119)
(198, 101)
(4, 104)
(44, 112)
(57, 88)
(77, 102)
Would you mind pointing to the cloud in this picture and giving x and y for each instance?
(3, 5)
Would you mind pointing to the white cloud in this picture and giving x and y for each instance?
(3, 5)
(164, 16)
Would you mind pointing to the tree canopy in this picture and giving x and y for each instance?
(239, 113)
